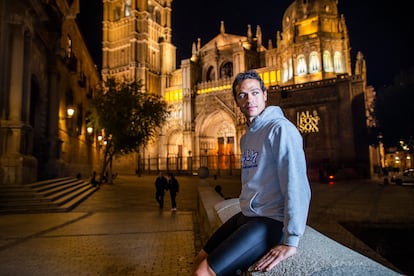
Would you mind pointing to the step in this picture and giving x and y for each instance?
(49, 181)
(57, 190)
(78, 199)
(54, 195)
(43, 187)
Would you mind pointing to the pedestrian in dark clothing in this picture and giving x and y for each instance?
(218, 189)
(173, 186)
(161, 184)
(94, 182)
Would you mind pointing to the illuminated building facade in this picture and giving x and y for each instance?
(47, 79)
(308, 73)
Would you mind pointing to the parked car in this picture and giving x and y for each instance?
(404, 178)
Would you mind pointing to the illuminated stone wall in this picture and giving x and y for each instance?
(46, 69)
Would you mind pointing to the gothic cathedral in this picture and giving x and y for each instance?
(308, 73)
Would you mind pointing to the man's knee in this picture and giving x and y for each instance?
(204, 269)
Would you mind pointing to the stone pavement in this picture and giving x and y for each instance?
(120, 230)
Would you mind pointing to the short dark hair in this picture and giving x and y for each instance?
(251, 74)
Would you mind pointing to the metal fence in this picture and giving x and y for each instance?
(216, 164)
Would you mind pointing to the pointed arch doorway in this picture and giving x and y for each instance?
(217, 142)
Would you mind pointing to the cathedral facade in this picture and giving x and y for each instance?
(308, 73)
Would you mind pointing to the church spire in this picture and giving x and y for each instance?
(249, 32)
(193, 52)
(222, 30)
(259, 37)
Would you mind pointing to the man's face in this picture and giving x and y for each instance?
(250, 98)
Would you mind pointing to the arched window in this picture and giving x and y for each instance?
(117, 13)
(327, 61)
(151, 11)
(301, 70)
(127, 7)
(314, 65)
(210, 74)
(338, 63)
(226, 70)
(158, 16)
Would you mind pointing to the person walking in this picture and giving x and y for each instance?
(93, 180)
(161, 184)
(174, 188)
(275, 193)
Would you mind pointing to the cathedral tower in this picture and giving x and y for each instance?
(137, 42)
(137, 46)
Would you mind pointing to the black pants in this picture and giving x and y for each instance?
(173, 195)
(159, 197)
(240, 242)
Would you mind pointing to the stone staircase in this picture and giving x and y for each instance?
(54, 195)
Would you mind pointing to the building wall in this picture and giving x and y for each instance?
(79, 149)
(42, 76)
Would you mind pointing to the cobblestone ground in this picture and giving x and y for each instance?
(119, 230)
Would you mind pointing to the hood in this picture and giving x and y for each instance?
(270, 113)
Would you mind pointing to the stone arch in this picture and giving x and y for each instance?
(226, 70)
(217, 139)
(210, 75)
(314, 63)
(217, 133)
(157, 16)
(301, 68)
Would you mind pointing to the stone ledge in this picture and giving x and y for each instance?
(207, 198)
(317, 255)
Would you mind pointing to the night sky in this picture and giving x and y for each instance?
(383, 32)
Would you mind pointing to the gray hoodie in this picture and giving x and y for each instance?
(274, 179)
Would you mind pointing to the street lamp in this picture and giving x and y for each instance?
(381, 151)
(89, 137)
(70, 111)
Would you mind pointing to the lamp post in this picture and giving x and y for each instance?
(89, 135)
(70, 112)
(89, 130)
(380, 152)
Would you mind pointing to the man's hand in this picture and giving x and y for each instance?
(275, 256)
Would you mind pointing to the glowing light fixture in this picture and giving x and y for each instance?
(70, 111)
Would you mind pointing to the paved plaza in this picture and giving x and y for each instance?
(120, 230)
